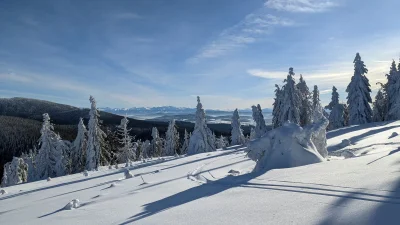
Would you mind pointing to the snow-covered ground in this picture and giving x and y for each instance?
(218, 188)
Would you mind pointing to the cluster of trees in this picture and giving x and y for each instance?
(94, 147)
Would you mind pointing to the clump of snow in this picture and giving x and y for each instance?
(72, 204)
(345, 143)
(49, 179)
(85, 173)
(3, 192)
(127, 174)
(234, 172)
(286, 146)
(348, 154)
(394, 134)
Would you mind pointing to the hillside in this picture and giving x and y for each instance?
(203, 189)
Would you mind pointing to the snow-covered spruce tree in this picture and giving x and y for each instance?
(221, 142)
(145, 151)
(29, 159)
(337, 116)
(95, 147)
(237, 137)
(260, 128)
(306, 106)
(78, 148)
(317, 110)
(291, 101)
(18, 172)
(379, 107)
(156, 144)
(172, 140)
(127, 149)
(359, 97)
(202, 139)
(390, 93)
(4, 179)
(185, 144)
(277, 109)
(252, 134)
(50, 158)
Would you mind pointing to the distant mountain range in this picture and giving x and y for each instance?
(169, 110)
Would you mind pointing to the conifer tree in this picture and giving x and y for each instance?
(306, 107)
(359, 98)
(185, 144)
(127, 150)
(317, 110)
(237, 137)
(276, 111)
(172, 139)
(220, 142)
(291, 101)
(337, 115)
(156, 143)
(260, 128)
(390, 93)
(50, 158)
(78, 156)
(96, 153)
(202, 139)
(379, 107)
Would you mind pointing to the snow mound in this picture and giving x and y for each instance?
(234, 172)
(394, 134)
(72, 204)
(128, 174)
(348, 154)
(3, 192)
(345, 143)
(287, 146)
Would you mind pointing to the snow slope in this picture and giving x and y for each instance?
(217, 188)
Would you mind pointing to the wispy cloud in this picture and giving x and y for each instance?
(251, 29)
(305, 6)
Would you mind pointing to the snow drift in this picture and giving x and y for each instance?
(288, 146)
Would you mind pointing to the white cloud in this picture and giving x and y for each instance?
(250, 30)
(306, 6)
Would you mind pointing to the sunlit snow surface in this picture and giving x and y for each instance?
(218, 188)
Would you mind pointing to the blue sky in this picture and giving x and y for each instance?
(159, 52)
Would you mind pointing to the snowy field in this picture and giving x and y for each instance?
(218, 188)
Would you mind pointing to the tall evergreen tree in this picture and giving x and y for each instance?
(277, 109)
(359, 97)
(49, 161)
(260, 128)
(202, 139)
(77, 156)
(291, 101)
(96, 152)
(127, 150)
(390, 93)
(185, 144)
(306, 107)
(337, 115)
(318, 111)
(379, 107)
(156, 143)
(237, 137)
(172, 140)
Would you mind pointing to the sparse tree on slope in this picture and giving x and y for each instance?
(277, 109)
(336, 117)
(220, 142)
(237, 137)
(318, 111)
(306, 107)
(390, 93)
(379, 107)
(29, 159)
(156, 143)
(359, 97)
(95, 152)
(260, 128)
(50, 159)
(172, 139)
(185, 144)
(146, 147)
(202, 139)
(127, 151)
(78, 149)
(291, 101)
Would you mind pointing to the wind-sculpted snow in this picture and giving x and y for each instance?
(287, 146)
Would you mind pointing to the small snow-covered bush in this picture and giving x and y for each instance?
(85, 173)
(72, 204)
(49, 179)
(287, 146)
(3, 192)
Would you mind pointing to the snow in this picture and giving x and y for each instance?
(360, 190)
